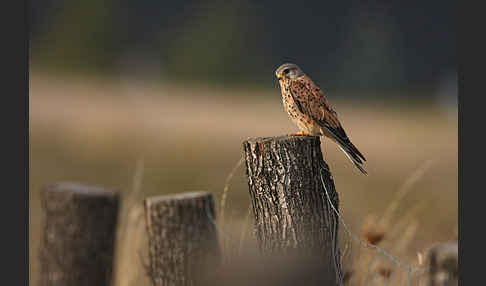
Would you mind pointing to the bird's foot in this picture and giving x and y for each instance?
(301, 133)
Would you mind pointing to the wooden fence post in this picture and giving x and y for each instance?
(286, 179)
(79, 232)
(182, 238)
(442, 263)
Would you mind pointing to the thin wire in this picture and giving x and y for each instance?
(335, 256)
(368, 245)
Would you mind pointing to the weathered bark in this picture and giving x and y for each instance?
(79, 233)
(182, 237)
(292, 212)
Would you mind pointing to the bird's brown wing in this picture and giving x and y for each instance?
(311, 101)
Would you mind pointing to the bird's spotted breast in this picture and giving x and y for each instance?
(303, 121)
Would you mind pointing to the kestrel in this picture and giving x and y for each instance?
(309, 109)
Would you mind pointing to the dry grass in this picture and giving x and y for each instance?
(95, 131)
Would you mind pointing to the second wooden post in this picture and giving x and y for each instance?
(183, 242)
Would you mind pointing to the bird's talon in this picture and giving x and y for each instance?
(301, 133)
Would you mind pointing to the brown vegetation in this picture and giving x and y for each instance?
(96, 131)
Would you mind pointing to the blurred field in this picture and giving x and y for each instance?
(189, 138)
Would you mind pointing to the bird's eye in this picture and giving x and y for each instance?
(286, 71)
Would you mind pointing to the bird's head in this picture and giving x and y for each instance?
(288, 71)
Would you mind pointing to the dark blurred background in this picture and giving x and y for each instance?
(344, 44)
(156, 97)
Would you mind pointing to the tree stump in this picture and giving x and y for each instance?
(288, 180)
(182, 238)
(79, 234)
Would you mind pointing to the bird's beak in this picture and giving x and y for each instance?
(280, 76)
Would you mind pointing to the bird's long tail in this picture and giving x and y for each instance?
(353, 154)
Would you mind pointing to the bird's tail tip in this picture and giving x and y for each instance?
(351, 154)
(361, 168)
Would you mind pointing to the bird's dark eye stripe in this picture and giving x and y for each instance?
(286, 71)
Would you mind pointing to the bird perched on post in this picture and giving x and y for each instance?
(310, 111)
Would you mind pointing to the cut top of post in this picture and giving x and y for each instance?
(81, 189)
(258, 144)
(260, 147)
(178, 197)
(280, 138)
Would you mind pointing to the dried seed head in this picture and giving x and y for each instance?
(372, 231)
(385, 272)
